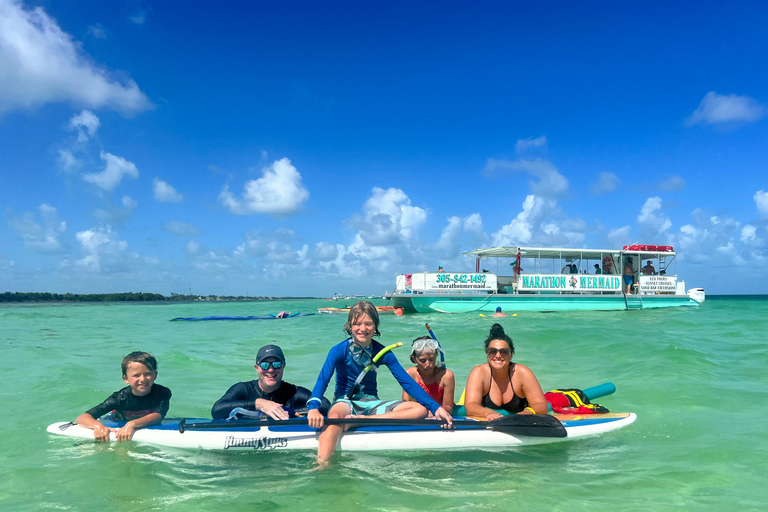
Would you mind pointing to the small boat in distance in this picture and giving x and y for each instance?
(550, 279)
(383, 310)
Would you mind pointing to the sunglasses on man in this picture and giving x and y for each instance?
(274, 364)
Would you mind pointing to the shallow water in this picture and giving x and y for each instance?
(696, 377)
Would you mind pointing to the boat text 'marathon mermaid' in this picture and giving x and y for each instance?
(550, 279)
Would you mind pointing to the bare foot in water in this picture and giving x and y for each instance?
(320, 464)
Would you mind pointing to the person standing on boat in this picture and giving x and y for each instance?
(597, 269)
(270, 394)
(431, 374)
(502, 384)
(648, 269)
(348, 361)
(440, 269)
(627, 275)
(516, 270)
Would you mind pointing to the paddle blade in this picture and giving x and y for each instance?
(533, 425)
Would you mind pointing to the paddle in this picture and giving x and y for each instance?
(532, 425)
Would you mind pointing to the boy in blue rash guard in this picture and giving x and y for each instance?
(348, 359)
(142, 403)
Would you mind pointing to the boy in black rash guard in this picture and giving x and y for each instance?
(269, 394)
(142, 403)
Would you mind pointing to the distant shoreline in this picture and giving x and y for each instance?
(8, 297)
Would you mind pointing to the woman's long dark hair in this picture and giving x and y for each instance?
(497, 333)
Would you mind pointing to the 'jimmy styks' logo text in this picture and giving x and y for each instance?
(257, 443)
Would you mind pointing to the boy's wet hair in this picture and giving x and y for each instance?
(144, 358)
(359, 309)
(497, 333)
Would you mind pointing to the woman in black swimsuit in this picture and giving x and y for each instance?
(501, 384)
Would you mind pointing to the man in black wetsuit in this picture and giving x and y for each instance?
(269, 394)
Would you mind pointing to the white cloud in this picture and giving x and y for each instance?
(165, 193)
(459, 234)
(269, 245)
(103, 251)
(325, 252)
(672, 183)
(181, 228)
(97, 31)
(450, 234)
(139, 17)
(731, 254)
(116, 167)
(68, 162)
(538, 224)
(388, 218)
(550, 182)
(719, 108)
(116, 214)
(761, 201)
(619, 237)
(278, 192)
(86, 123)
(42, 64)
(524, 144)
(748, 233)
(520, 230)
(606, 182)
(45, 236)
(653, 224)
(474, 224)
(713, 242)
(129, 203)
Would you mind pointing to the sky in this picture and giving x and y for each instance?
(312, 148)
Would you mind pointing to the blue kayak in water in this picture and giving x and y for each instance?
(270, 317)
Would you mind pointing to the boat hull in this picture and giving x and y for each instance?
(465, 303)
(382, 310)
(397, 438)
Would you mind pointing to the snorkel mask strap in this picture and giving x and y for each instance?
(439, 347)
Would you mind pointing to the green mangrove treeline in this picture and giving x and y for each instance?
(79, 297)
(122, 297)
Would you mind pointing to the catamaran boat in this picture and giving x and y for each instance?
(550, 279)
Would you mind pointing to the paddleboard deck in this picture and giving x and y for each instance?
(292, 436)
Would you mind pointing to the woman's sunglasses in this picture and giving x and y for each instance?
(274, 364)
(503, 351)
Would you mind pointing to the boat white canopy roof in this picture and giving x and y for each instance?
(551, 252)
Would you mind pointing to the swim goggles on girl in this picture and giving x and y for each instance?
(430, 345)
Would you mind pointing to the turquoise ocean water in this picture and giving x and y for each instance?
(696, 377)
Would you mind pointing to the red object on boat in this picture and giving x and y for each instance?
(648, 248)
